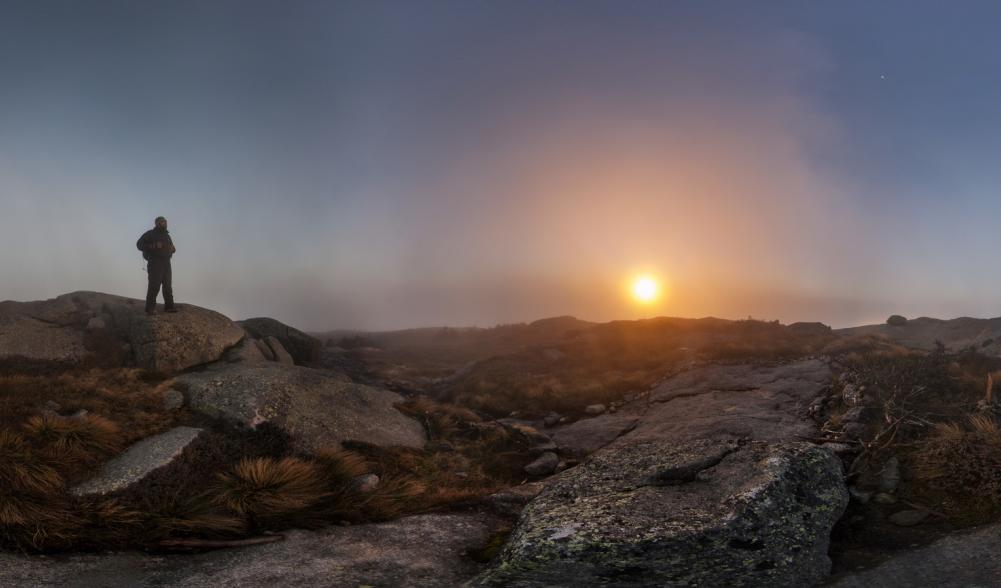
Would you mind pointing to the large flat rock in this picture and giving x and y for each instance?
(698, 513)
(766, 402)
(138, 461)
(419, 551)
(82, 327)
(589, 435)
(317, 407)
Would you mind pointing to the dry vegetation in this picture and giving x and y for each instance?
(927, 410)
(229, 484)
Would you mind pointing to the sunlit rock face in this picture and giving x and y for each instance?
(84, 328)
(701, 513)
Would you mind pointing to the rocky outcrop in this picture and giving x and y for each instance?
(303, 348)
(169, 343)
(138, 461)
(419, 551)
(318, 408)
(698, 513)
(90, 327)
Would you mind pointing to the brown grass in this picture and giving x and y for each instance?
(265, 490)
(73, 443)
(963, 460)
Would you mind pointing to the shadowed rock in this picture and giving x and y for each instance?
(318, 408)
(420, 551)
(281, 355)
(962, 560)
(302, 347)
(756, 514)
(136, 462)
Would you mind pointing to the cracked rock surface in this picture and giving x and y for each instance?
(730, 401)
(755, 514)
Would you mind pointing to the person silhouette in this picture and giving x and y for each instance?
(158, 248)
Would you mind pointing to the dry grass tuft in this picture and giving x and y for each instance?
(22, 471)
(338, 467)
(74, 442)
(441, 420)
(965, 461)
(265, 490)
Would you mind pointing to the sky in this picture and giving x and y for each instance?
(382, 165)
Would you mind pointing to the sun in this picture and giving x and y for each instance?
(645, 289)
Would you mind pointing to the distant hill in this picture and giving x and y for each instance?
(922, 333)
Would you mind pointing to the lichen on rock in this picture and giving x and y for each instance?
(760, 515)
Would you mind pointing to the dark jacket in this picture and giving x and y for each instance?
(147, 244)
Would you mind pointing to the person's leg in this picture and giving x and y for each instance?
(154, 273)
(168, 289)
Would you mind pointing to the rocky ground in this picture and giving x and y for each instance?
(723, 473)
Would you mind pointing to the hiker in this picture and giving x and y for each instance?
(157, 249)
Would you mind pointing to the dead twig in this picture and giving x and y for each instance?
(218, 544)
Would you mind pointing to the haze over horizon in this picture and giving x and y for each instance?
(381, 165)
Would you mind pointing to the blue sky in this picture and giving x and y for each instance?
(393, 164)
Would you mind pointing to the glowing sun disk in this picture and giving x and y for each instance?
(645, 289)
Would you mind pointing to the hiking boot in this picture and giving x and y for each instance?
(150, 311)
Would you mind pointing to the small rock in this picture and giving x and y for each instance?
(544, 465)
(281, 355)
(853, 431)
(95, 323)
(442, 446)
(365, 483)
(173, 399)
(851, 395)
(896, 320)
(908, 518)
(859, 495)
(884, 498)
(890, 476)
(552, 419)
(595, 409)
(79, 414)
(544, 447)
(52, 406)
(838, 448)
(264, 349)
